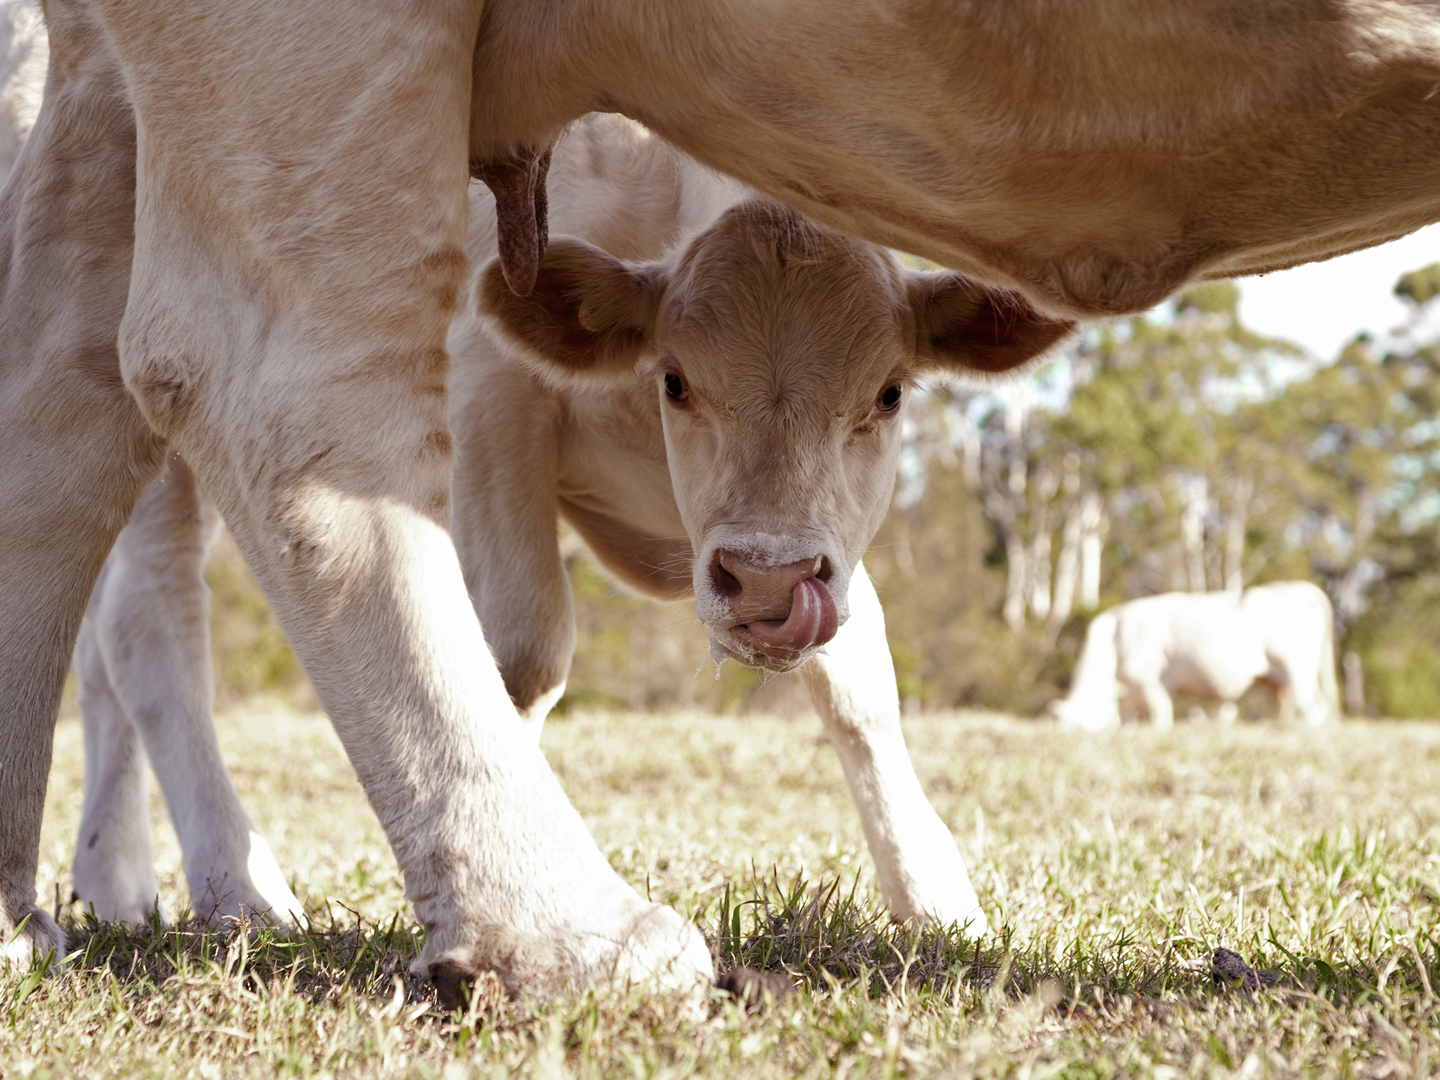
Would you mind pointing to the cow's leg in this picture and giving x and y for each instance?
(1158, 704)
(506, 451)
(114, 869)
(149, 623)
(297, 259)
(75, 453)
(852, 683)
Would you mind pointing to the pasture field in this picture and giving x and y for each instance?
(1112, 867)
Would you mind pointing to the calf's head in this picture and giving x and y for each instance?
(781, 354)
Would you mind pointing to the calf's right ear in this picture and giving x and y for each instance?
(967, 327)
(589, 313)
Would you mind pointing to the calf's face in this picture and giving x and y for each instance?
(781, 355)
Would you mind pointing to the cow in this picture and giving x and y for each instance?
(237, 230)
(787, 326)
(1140, 654)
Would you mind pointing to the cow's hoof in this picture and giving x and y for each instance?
(666, 951)
(37, 938)
(659, 951)
(753, 988)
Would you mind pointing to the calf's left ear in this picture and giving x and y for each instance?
(963, 326)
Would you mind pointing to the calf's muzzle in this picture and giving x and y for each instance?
(780, 610)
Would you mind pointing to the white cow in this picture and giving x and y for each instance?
(237, 229)
(1140, 654)
(842, 320)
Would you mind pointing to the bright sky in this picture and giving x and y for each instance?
(1323, 305)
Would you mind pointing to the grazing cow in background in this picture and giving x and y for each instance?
(1140, 654)
(743, 391)
(237, 229)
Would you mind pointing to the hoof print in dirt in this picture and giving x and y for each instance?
(458, 988)
(752, 987)
(1229, 970)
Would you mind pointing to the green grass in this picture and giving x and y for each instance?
(1111, 865)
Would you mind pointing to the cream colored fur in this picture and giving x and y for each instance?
(143, 662)
(268, 272)
(1140, 654)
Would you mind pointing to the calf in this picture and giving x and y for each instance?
(723, 421)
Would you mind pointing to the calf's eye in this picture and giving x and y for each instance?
(675, 388)
(890, 397)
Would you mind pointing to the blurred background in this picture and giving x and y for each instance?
(1277, 428)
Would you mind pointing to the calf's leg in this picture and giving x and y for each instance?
(75, 453)
(297, 259)
(852, 683)
(506, 462)
(145, 662)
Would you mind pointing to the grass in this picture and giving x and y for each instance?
(1112, 865)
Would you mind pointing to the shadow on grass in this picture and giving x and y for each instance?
(313, 961)
(819, 936)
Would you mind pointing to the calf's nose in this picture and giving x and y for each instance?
(785, 608)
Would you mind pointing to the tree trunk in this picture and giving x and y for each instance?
(1041, 536)
(1235, 524)
(1093, 527)
(1195, 491)
(1353, 672)
(1067, 564)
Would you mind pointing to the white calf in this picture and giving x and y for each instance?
(1140, 654)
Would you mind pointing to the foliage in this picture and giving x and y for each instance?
(250, 653)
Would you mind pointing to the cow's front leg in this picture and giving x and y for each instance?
(852, 683)
(144, 666)
(297, 260)
(1159, 704)
(75, 453)
(506, 462)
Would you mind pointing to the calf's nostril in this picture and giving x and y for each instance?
(725, 583)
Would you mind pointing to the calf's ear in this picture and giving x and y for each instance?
(589, 313)
(964, 326)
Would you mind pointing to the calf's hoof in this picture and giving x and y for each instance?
(259, 893)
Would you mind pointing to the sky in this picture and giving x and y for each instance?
(1323, 305)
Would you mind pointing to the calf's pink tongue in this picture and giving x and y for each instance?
(812, 619)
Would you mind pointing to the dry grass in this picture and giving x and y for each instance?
(1114, 866)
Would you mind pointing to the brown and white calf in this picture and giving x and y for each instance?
(722, 421)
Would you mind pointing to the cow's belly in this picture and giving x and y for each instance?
(1223, 669)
